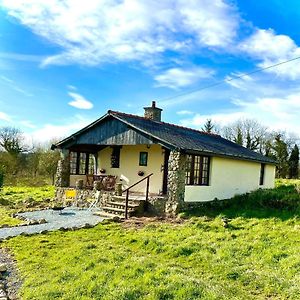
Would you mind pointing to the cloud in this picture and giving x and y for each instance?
(240, 83)
(50, 132)
(5, 117)
(79, 101)
(279, 113)
(11, 83)
(270, 48)
(177, 78)
(21, 57)
(98, 31)
(184, 112)
(72, 87)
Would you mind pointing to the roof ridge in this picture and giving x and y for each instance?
(175, 125)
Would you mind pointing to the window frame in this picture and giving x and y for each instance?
(78, 161)
(195, 173)
(146, 159)
(115, 157)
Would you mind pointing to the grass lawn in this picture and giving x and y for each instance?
(12, 199)
(256, 257)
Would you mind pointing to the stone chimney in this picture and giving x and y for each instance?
(153, 112)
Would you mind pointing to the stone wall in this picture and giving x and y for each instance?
(176, 183)
(62, 178)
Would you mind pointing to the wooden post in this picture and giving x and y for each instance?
(126, 204)
(147, 189)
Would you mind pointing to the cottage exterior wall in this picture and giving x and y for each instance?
(127, 173)
(229, 177)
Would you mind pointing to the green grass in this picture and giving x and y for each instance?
(12, 198)
(256, 257)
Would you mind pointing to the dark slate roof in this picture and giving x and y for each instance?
(191, 140)
(182, 138)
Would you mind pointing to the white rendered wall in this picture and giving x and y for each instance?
(229, 177)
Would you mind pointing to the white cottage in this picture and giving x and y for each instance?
(180, 164)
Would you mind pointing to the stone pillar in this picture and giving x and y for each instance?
(63, 169)
(176, 183)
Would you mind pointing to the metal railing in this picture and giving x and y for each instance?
(127, 192)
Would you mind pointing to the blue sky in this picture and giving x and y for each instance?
(64, 64)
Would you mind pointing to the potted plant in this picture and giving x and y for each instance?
(141, 173)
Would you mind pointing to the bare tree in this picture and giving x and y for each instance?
(246, 132)
(12, 140)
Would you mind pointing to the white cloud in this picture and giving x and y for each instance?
(93, 32)
(270, 49)
(279, 113)
(11, 83)
(241, 83)
(49, 132)
(5, 117)
(72, 87)
(184, 112)
(79, 101)
(177, 78)
(21, 57)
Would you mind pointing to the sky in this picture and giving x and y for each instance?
(64, 63)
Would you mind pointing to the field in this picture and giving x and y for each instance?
(192, 257)
(13, 199)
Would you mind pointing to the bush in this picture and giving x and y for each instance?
(1, 178)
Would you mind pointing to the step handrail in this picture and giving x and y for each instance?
(127, 192)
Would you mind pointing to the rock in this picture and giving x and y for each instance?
(42, 221)
(3, 268)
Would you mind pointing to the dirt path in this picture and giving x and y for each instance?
(11, 279)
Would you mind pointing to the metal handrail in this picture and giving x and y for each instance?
(127, 192)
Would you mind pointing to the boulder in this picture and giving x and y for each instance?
(3, 268)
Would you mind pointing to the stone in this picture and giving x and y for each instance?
(79, 184)
(176, 183)
(42, 221)
(62, 178)
(3, 268)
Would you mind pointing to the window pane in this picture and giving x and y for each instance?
(188, 169)
(115, 157)
(91, 167)
(143, 159)
(82, 163)
(73, 162)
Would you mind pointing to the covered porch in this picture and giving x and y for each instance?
(115, 167)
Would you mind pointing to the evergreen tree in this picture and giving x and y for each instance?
(208, 126)
(294, 163)
(281, 154)
(239, 137)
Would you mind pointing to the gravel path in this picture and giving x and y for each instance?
(11, 280)
(70, 217)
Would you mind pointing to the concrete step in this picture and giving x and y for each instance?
(107, 215)
(132, 199)
(121, 204)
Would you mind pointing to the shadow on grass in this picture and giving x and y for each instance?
(282, 202)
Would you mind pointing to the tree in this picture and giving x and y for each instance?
(48, 163)
(293, 163)
(208, 126)
(12, 140)
(281, 154)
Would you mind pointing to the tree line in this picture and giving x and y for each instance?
(279, 145)
(22, 163)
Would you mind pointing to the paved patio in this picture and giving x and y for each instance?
(68, 218)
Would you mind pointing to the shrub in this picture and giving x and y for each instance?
(1, 178)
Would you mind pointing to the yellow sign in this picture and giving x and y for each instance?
(70, 194)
